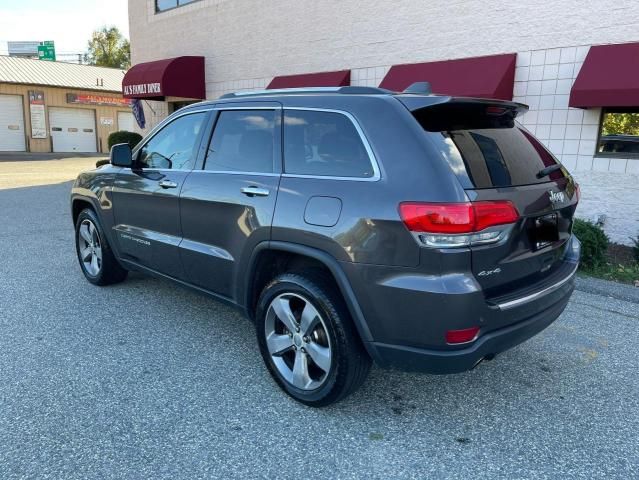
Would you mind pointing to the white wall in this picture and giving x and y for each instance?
(543, 80)
(250, 40)
(246, 43)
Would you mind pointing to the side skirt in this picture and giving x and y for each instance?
(129, 265)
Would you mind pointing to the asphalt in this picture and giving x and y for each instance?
(147, 380)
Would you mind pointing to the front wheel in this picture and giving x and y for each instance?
(308, 341)
(97, 261)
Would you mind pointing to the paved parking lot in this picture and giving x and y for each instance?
(147, 380)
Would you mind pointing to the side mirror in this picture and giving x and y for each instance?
(121, 155)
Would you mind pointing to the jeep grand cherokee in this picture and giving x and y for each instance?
(419, 231)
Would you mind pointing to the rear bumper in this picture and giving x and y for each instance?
(487, 345)
(409, 313)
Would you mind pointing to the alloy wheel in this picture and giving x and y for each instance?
(298, 341)
(90, 247)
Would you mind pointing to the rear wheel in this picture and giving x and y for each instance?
(308, 341)
(97, 261)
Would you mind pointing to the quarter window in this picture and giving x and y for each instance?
(619, 133)
(324, 144)
(243, 141)
(175, 146)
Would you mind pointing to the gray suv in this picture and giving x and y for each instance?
(419, 231)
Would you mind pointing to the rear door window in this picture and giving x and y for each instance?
(243, 141)
(323, 143)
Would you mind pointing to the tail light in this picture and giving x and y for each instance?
(458, 224)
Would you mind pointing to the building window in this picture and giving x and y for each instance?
(619, 133)
(163, 5)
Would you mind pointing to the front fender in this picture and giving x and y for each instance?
(94, 189)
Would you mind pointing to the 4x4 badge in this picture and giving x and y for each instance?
(556, 197)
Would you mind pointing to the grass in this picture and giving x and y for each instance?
(617, 272)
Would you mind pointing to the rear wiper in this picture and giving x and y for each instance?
(548, 170)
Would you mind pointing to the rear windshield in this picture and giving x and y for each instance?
(500, 155)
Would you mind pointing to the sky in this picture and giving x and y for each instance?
(69, 23)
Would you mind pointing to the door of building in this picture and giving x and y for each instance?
(12, 136)
(73, 130)
(126, 122)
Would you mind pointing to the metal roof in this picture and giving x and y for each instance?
(60, 74)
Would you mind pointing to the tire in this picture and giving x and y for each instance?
(333, 329)
(96, 258)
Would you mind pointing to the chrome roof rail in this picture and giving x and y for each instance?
(352, 90)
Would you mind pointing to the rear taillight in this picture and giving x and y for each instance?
(458, 224)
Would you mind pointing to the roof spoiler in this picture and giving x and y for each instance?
(442, 113)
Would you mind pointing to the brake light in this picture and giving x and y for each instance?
(438, 217)
(458, 224)
(456, 217)
(495, 110)
(488, 214)
(462, 336)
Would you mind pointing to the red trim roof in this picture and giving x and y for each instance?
(174, 77)
(485, 77)
(341, 78)
(609, 77)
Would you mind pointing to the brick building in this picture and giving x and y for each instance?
(572, 62)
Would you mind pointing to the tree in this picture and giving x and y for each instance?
(108, 48)
(620, 124)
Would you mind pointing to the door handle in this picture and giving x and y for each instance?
(167, 184)
(255, 191)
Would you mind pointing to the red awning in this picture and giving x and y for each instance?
(609, 77)
(340, 78)
(174, 77)
(485, 77)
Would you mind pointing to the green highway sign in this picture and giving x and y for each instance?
(46, 51)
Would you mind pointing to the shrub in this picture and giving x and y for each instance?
(594, 243)
(122, 136)
(635, 249)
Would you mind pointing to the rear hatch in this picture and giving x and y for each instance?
(496, 159)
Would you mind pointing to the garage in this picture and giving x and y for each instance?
(12, 136)
(126, 122)
(73, 130)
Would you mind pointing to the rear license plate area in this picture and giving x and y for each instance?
(545, 231)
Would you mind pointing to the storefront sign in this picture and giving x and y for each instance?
(106, 121)
(38, 117)
(143, 89)
(98, 100)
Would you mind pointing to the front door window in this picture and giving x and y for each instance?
(175, 146)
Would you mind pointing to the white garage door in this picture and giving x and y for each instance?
(72, 130)
(12, 136)
(126, 122)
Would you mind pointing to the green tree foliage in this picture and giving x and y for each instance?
(621, 124)
(108, 48)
